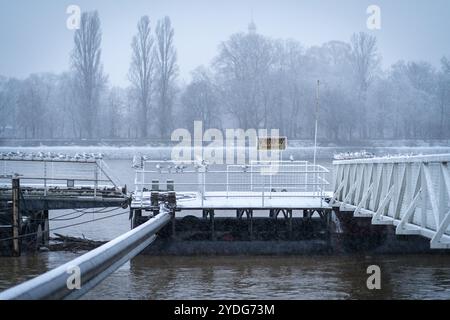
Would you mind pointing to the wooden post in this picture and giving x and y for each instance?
(46, 228)
(213, 232)
(250, 225)
(173, 220)
(16, 217)
(136, 218)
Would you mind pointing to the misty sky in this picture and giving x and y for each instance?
(34, 37)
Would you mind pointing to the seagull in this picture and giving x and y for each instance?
(291, 158)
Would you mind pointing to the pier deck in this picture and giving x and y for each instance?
(221, 200)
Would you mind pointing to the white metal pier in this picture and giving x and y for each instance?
(257, 186)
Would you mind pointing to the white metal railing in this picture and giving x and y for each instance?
(257, 179)
(411, 193)
(49, 174)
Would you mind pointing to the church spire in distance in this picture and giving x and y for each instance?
(252, 26)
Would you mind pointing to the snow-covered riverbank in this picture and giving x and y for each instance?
(161, 153)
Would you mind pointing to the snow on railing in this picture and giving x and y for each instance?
(410, 192)
(263, 179)
(45, 172)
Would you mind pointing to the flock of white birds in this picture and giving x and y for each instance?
(354, 155)
(50, 156)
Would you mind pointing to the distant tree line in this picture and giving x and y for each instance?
(253, 82)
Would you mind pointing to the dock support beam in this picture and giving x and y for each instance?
(16, 217)
(287, 213)
(249, 213)
(210, 213)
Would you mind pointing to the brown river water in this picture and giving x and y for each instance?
(238, 277)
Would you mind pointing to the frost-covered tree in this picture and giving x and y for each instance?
(365, 61)
(167, 70)
(142, 71)
(199, 101)
(8, 105)
(35, 112)
(243, 65)
(88, 71)
(444, 98)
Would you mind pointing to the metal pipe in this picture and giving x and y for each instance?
(94, 266)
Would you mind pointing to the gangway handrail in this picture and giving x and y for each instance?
(94, 266)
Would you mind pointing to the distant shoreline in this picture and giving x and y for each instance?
(13, 142)
(164, 152)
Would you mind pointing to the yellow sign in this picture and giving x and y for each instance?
(272, 143)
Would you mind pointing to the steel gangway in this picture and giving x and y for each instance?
(412, 193)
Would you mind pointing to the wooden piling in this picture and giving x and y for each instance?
(16, 217)
(213, 231)
(250, 225)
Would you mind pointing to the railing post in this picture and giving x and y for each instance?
(442, 190)
(251, 176)
(45, 178)
(423, 221)
(16, 217)
(204, 185)
(201, 182)
(264, 187)
(95, 180)
(142, 183)
(228, 169)
(306, 177)
(270, 183)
